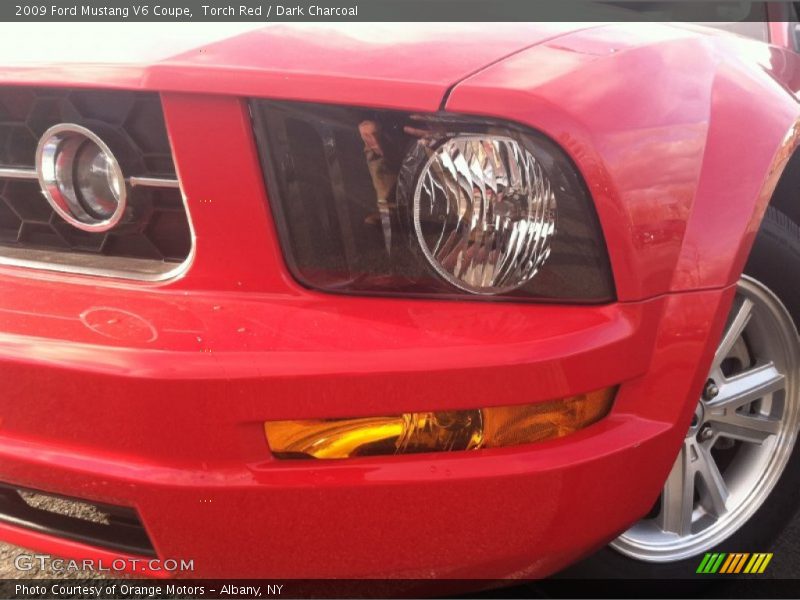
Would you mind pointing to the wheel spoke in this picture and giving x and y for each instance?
(746, 428)
(745, 388)
(677, 498)
(724, 415)
(714, 490)
(734, 331)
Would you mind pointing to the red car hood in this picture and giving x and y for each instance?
(409, 65)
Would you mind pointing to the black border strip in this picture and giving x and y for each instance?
(382, 10)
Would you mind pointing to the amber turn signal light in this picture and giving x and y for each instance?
(439, 431)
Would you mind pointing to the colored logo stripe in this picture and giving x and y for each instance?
(735, 562)
(711, 562)
(758, 563)
(727, 564)
(742, 560)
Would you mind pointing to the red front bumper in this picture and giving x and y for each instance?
(159, 405)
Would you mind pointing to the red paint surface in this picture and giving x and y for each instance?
(176, 431)
(161, 406)
(678, 176)
(408, 66)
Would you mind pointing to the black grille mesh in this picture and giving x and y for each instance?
(155, 225)
(26, 113)
(159, 231)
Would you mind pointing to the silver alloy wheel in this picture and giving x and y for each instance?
(740, 439)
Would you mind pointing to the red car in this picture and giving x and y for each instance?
(399, 301)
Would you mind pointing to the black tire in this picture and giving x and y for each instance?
(775, 262)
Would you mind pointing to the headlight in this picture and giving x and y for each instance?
(80, 177)
(484, 213)
(383, 202)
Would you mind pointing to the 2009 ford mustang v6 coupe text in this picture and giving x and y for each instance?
(430, 301)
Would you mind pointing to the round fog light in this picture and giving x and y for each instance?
(80, 177)
(484, 213)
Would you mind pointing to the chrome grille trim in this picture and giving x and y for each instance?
(16, 173)
(69, 263)
(153, 182)
(156, 244)
(12, 173)
(76, 263)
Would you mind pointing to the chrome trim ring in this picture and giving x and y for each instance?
(741, 438)
(55, 174)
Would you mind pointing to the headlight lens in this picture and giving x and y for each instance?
(81, 177)
(484, 213)
(99, 189)
(384, 202)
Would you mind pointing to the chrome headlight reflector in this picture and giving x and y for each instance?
(484, 213)
(383, 202)
(80, 177)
